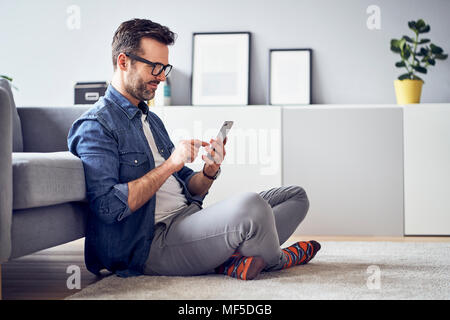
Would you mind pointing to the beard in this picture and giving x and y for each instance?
(138, 89)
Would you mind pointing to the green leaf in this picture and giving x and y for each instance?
(404, 76)
(441, 56)
(425, 29)
(408, 39)
(420, 24)
(394, 43)
(401, 44)
(6, 77)
(400, 64)
(431, 61)
(395, 49)
(394, 46)
(412, 25)
(419, 69)
(435, 49)
(407, 51)
(424, 41)
(423, 52)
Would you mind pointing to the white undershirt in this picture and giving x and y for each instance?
(169, 197)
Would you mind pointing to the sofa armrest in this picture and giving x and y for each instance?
(5, 174)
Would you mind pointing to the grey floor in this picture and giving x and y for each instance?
(43, 275)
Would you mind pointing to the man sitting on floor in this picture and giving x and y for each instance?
(146, 205)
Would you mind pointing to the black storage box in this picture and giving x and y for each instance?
(89, 92)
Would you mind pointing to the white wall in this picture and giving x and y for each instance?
(351, 64)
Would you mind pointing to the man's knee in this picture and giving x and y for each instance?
(299, 193)
(254, 207)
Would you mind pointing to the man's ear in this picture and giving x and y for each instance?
(122, 62)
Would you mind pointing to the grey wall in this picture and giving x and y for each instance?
(351, 64)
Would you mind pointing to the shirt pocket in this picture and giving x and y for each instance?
(133, 165)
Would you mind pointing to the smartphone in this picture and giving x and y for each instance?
(223, 132)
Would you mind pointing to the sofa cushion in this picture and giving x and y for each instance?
(44, 179)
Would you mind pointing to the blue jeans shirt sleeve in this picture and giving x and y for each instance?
(96, 147)
(121, 192)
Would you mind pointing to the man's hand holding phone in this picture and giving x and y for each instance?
(216, 151)
(215, 156)
(186, 151)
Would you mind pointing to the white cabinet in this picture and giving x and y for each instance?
(253, 159)
(427, 169)
(370, 170)
(350, 162)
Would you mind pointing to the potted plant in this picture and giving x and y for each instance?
(416, 56)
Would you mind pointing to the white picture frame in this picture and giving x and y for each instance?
(290, 76)
(220, 68)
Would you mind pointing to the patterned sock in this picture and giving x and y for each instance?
(240, 267)
(300, 253)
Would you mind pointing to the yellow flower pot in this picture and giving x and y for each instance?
(408, 91)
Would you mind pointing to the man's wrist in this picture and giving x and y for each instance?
(211, 176)
(172, 167)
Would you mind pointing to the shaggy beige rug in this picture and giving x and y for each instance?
(341, 270)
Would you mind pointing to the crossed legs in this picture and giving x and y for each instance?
(248, 224)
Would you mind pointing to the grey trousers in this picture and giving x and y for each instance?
(196, 240)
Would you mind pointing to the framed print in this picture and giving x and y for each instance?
(220, 68)
(290, 76)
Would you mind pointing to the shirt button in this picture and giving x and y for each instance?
(135, 161)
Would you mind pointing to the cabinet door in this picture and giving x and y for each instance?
(253, 159)
(349, 160)
(427, 169)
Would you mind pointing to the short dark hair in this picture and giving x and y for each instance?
(127, 37)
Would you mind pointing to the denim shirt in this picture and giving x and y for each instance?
(110, 141)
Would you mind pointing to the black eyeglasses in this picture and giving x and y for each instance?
(157, 67)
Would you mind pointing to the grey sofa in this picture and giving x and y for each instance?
(42, 187)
